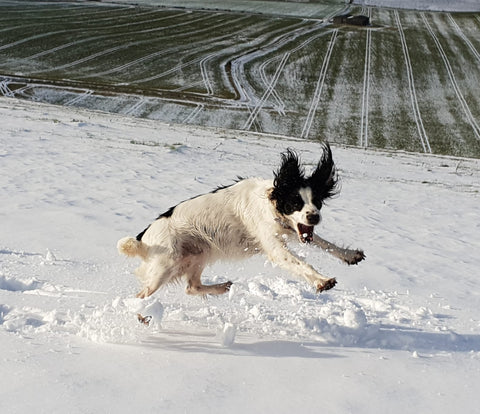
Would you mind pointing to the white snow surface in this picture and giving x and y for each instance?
(430, 5)
(400, 333)
(305, 7)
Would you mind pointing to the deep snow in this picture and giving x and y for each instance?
(400, 332)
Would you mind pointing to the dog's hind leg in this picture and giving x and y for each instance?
(194, 282)
(195, 287)
(155, 274)
(349, 256)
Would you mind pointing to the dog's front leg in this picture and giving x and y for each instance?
(349, 256)
(278, 254)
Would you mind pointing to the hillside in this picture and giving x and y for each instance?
(410, 81)
(112, 112)
(401, 328)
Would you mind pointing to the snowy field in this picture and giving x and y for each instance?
(307, 8)
(399, 334)
(411, 81)
(431, 5)
(315, 9)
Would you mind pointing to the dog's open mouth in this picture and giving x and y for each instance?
(305, 233)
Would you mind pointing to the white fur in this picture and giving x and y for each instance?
(232, 223)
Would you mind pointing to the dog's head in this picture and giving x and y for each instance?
(299, 198)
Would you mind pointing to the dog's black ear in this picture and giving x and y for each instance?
(290, 173)
(324, 180)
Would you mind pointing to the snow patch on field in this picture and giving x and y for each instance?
(404, 323)
(437, 5)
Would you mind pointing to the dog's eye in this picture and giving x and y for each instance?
(295, 204)
(288, 208)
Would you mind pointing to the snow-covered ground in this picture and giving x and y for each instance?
(400, 332)
(431, 5)
(305, 8)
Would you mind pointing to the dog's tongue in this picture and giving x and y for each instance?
(305, 233)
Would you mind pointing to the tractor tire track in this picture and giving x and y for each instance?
(64, 31)
(4, 89)
(234, 68)
(193, 114)
(126, 45)
(468, 114)
(280, 107)
(363, 140)
(319, 86)
(204, 73)
(263, 76)
(267, 92)
(141, 102)
(196, 60)
(464, 37)
(104, 36)
(79, 98)
(411, 85)
(271, 85)
(158, 54)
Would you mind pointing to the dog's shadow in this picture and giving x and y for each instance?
(207, 342)
(385, 338)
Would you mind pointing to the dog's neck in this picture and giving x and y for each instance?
(278, 217)
(280, 220)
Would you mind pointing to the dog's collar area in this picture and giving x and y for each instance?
(283, 223)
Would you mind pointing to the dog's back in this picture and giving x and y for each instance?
(202, 230)
(218, 224)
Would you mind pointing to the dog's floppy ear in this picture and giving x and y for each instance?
(290, 172)
(324, 180)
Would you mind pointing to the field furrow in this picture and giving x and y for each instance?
(411, 85)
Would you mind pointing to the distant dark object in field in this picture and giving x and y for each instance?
(352, 20)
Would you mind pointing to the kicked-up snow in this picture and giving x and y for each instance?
(399, 333)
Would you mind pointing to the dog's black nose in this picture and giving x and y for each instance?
(313, 218)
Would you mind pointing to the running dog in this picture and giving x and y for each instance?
(251, 216)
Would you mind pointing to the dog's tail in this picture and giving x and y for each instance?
(132, 247)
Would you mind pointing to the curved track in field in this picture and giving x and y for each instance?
(4, 89)
(124, 46)
(90, 39)
(270, 85)
(267, 93)
(466, 109)
(464, 37)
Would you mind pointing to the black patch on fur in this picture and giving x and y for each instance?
(140, 235)
(169, 212)
(223, 187)
(290, 178)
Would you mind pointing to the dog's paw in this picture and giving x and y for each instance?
(222, 288)
(326, 285)
(355, 257)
